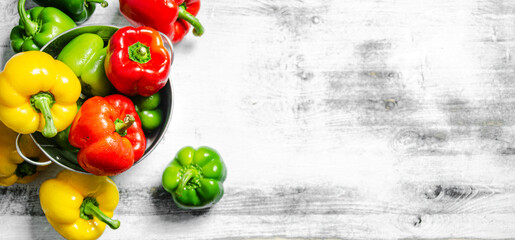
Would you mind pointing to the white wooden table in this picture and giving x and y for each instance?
(352, 119)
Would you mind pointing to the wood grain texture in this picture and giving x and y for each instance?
(374, 119)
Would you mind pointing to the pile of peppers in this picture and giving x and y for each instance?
(39, 25)
(97, 101)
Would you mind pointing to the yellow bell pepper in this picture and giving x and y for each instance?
(79, 206)
(38, 93)
(12, 167)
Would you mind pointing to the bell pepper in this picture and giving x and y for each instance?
(37, 93)
(62, 140)
(159, 14)
(12, 167)
(62, 137)
(195, 178)
(108, 132)
(137, 61)
(78, 206)
(78, 10)
(85, 55)
(181, 27)
(38, 26)
(149, 113)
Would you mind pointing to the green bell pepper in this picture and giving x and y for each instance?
(62, 137)
(78, 10)
(37, 27)
(195, 178)
(149, 113)
(85, 55)
(62, 140)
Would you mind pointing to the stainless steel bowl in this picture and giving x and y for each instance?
(68, 159)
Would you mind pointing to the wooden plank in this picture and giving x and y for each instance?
(431, 212)
(279, 227)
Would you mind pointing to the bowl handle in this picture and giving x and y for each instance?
(26, 158)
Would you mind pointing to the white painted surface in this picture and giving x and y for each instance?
(337, 119)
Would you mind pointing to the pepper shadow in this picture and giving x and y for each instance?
(41, 229)
(28, 205)
(166, 209)
(186, 46)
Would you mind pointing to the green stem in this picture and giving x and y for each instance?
(31, 27)
(121, 126)
(185, 15)
(89, 209)
(139, 52)
(42, 102)
(25, 169)
(185, 179)
(103, 3)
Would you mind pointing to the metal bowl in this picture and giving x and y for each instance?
(68, 159)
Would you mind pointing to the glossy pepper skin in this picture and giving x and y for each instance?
(38, 26)
(137, 62)
(108, 132)
(149, 113)
(62, 140)
(62, 137)
(37, 93)
(12, 167)
(78, 206)
(78, 10)
(159, 14)
(85, 55)
(195, 178)
(181, 26)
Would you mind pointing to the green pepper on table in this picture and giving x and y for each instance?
(195, 178)
(149, 113)
(85, 55)
(38, 26)
(78, 10)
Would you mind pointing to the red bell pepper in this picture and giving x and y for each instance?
(107, 130)
(160, 14)
(181, 26)
(137, 61)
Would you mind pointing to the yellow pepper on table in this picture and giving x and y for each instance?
(12, 167)
(38, 93)
(79, 206)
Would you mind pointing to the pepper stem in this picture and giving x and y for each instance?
(186, 176)
(25, 169)
(42, 102)
(31, 27)
(139, 52)
(121, 126)
(89, 209)
(185, 15)
(103, 3)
